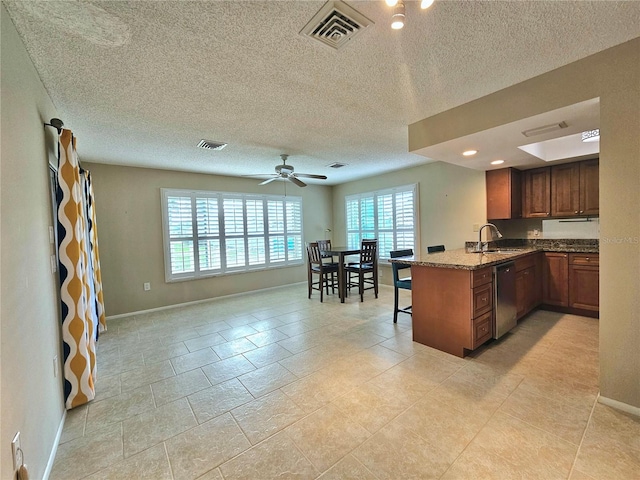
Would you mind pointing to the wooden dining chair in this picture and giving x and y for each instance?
(366, 269)
(326, 273)
(324, 246)
(398, 282)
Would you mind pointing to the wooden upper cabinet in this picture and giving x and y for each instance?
(574, 189)
(536, 192)
(565, 190)
(589, 187)
(504, 194)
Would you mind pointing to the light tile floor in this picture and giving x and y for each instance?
(271, 384)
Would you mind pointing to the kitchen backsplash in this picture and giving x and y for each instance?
(571, 228)
(537, 228)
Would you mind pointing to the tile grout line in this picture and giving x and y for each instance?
(584, 434)
(481, 428)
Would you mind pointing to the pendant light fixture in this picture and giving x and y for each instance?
(399, 11)
(397, 19)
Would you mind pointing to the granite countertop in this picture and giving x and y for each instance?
(461, 259)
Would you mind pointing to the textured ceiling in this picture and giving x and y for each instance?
(142, 82)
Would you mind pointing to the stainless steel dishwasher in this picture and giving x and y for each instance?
(505, 298)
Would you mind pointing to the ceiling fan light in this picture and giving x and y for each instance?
(391, 3)
(397, 20)
(424, 4)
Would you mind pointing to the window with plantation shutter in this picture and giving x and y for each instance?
(389, 215)
(213, 233)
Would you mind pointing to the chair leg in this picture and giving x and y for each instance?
(361, 282)
(310, 282)
(395, 304)
(375, 280)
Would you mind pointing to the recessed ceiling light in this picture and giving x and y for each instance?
(497, 162)
(469, 153)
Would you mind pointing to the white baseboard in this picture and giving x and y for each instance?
(54, 448)
(195, 302)
(619, 405)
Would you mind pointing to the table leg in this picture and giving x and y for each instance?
(342, 285)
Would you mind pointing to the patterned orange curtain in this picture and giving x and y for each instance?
(82, 305)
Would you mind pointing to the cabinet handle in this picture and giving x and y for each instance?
(526, 273)
(484, 329)
(576, 211)
(581, 211)
(548, 214)
(484, 299)
(588, 259)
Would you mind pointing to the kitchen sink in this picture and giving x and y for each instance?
(500, 250)
(503, 250)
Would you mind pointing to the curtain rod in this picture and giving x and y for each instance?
(55, 123)
(58, 124)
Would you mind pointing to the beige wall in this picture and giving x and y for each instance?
(130, 235)
(614, 76)
(30, 395)
(451, 200)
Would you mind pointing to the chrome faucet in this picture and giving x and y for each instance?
(480, 246)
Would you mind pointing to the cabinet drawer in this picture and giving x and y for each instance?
(482, 277)
(584, 259)
(482, 329)
(482, 300)
(525, 262)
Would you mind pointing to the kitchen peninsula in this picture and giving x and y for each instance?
(454, 292)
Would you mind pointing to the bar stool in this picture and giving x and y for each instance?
(400, 282)
(368, 265)
(326, 273)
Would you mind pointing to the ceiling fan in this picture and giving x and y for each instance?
(286, 172)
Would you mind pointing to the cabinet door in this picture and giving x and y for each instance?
(565, 190)
(536, 197)
(584, 287)
(521, 295)
(504, 195)
(530, 284)
(589, 187)
(555, 289)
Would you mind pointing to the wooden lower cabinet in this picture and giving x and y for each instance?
(584, 281)
(452, 308)
(555, 282)
(528, 283)
(571, 282)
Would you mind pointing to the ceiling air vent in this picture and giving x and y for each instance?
(335, 24)
(337, 165)
(545, 129)
(209, 145)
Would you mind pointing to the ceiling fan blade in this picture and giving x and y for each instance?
(309, 175)
(299, 183)
(269, 180)
(261, 175)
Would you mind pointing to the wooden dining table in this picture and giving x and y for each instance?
(341, 253)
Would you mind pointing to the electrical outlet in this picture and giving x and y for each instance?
(54, 263)
(52, 237)
(147, 286)
(55, 366)
(16, 451)
(536, 232)
(476, 227)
